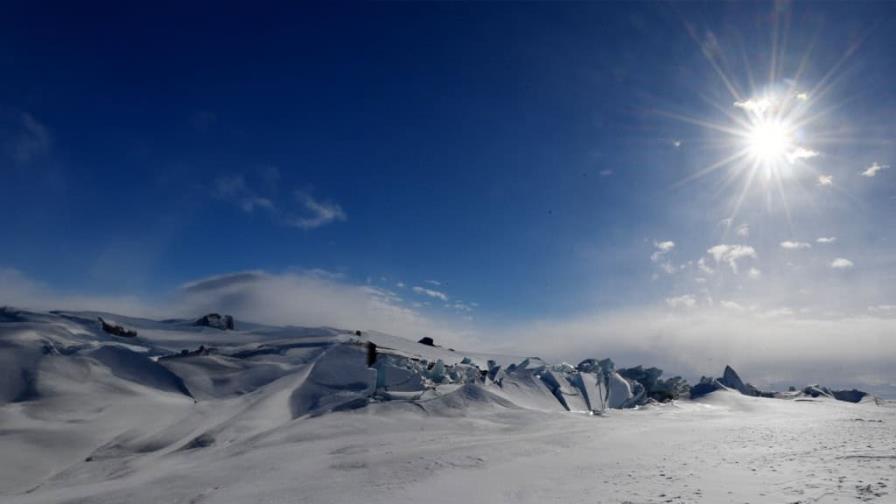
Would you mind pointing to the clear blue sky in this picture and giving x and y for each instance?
(533, 159)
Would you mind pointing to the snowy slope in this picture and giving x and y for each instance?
(268, 414)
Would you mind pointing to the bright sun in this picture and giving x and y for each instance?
(769, 141)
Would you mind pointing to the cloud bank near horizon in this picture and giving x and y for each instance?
(691, 339)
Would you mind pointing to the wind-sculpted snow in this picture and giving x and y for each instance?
(86, 411)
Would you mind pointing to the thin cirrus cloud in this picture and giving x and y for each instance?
(683, 301)
(32, 141)
(826, 239)
(423, 291)
(316, 213)
(872, 170)
(233, 189)
(303, 212)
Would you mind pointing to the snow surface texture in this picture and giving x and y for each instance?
(191, 413)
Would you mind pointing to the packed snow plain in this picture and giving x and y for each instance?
(188, 414)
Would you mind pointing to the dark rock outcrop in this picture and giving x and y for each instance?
(116, 329)
(426, 340)
(654, 387)
(199, 352)
(853, 395)
(222, 322)
(705, 386)
(729, 380)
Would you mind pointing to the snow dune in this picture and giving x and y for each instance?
(184, 413)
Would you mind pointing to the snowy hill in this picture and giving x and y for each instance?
(178, 411)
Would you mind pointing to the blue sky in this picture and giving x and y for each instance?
(522, 165)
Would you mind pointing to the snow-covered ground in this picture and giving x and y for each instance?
(276, 415)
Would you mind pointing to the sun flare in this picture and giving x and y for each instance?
(769, 141)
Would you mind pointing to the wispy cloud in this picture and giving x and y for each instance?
(872, 170)
(743, 231)
(731, 305)
(826, 239)
(730, 254)
(316, 213)
(423, 291)
(795, 245)
(842, 263)
(460, 306)
(433, 282)
(304, 212)
(606, 173)
(777, 312)
(683, 301)
(31, 142)
(826, 180)
(662, 248)
(233, 189)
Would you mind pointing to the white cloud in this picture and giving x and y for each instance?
(400, 285)
(743, 231)
(794, 245)
(316, 213)
(684, 301)
(659, 255)
(873, 169)
(827, 239)
(730, 254)
(662, 248)
(754, 273)
(757, 106)
(883, 308)
(433, 282)
(606, 173)
(841, 263)
(676, 143)
(423, 291)
(826, 180)
(802, 96)
(800, 153)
